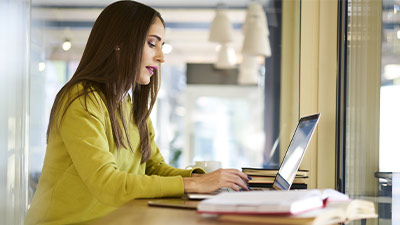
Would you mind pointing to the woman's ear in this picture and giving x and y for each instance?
(117, 52)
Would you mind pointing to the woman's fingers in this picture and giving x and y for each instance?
(233, 178)
(237, 173)
(213, 181)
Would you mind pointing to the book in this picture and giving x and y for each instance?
(263, 180)
(269, 202)
(269, 172)
(333, 213)
(268, 186)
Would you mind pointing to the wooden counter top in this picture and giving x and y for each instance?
(139, 213)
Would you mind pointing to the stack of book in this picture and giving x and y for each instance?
(287, 207)
(263, 178)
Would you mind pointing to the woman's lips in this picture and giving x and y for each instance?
(151, 69)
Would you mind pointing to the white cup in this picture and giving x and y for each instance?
(208, 166)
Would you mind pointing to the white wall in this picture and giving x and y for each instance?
(14, 57)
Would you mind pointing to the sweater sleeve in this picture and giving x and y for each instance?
(157, 165)
(84, 135)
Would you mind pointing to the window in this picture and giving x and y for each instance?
(369, 116)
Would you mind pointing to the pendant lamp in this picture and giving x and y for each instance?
(249, 70)
(221, 28)
(255, 28)
(226, 57)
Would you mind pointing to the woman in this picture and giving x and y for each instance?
(100, 141)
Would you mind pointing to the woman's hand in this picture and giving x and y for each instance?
(231, 178)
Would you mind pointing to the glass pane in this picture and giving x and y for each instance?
(362, 147)
(390, 88)
(14, 100)
(227, 125)
(373, 90)
(389, 168)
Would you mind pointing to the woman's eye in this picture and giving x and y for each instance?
(151, 44)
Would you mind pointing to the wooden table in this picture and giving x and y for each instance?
(139, 213)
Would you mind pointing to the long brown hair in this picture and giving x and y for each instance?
(110, 65)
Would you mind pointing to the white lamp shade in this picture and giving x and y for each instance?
(249, 70)
(226, 57)
(255, 9)
(66, 46)
(221, 28)
(256, 41)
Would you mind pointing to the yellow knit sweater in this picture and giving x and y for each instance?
(84, 176)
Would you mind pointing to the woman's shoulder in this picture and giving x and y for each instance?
(81, 88)
(86, 95)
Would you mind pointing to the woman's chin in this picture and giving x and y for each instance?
(144, 81)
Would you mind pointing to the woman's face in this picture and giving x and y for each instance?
(152, 56)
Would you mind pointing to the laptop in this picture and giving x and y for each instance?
(291, 162)
(295, 152)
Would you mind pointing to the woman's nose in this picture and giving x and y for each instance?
(160, 56)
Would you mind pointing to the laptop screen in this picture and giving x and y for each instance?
(295, 152)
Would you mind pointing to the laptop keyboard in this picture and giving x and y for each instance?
(226, 189)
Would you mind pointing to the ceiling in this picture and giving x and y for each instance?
(187, 25)
(153, 3)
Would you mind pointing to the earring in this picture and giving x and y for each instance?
(117, 49)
